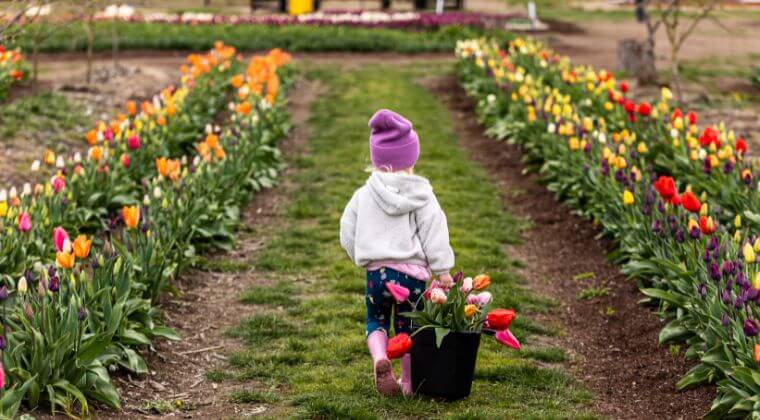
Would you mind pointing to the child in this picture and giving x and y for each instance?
(394, 227)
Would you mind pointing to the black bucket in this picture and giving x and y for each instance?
(444, 372)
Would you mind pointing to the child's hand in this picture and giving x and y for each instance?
(446, 281)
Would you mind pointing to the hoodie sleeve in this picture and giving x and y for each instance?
(348, 226)
(433, 231)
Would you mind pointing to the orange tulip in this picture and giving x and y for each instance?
(481, 282)
(469, 310)
(131, 108)
(82, 246)
(64, 260)
(91, 137)
(161, 120)
(757, 353)
(131, 216)
(237, 81)
(96, 153)
(243, 108)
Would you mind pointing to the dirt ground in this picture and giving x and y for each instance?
(612, 339)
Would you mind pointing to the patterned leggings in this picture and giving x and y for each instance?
(381, 305)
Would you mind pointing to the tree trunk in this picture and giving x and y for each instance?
(637, 60)
(35, 61)
(675, 74)
(90, 40)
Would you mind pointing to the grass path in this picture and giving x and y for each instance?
(305, 345)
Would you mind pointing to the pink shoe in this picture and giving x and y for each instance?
(406, 387)
(385, 382)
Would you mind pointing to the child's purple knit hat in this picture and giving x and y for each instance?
(393, 143)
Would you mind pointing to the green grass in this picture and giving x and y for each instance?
(314, 347)
(44, 118)
(292, 38)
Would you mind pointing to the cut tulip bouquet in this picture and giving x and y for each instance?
(465, 306)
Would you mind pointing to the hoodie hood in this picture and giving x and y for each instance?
(399, 193)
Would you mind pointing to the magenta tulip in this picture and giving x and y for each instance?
(505, 337)
(400, 293)
(134, 142)
(59, 238)
(25, 222)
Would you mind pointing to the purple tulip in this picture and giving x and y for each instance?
(82, 313)
(680, 236)
(725, 297)
(702, 289)
(55, 284)
(724, 320)
(695, 233)
(656, 226)
(714, 271)
(750, 327)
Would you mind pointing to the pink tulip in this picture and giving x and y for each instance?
(505, 337)
(438, 296)
(433, 285)
(480, 299)
(58, 184)
(125, 160)
(2, 376)
(134, 142)
(400, 293)
(59, 238)
(25, 222)
(466, 286)
(108, 135)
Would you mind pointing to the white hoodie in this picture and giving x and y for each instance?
(395, 217)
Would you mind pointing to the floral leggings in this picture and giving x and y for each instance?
(381, 305)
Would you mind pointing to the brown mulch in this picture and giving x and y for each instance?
(612, 339)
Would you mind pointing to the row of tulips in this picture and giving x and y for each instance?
(12, 69)
(157, 183)
(676, 199)
(360, 18)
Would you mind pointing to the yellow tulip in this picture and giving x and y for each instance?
(64, 260)
(3, 208)
(642, 148)
(749, 253)
(628, 198)
(470, 310)
(738, 221)
(756, 281)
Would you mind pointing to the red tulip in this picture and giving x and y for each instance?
(692, 117)
(677, 114)
(709, 136)
(644, 109)
(399, 345)
(707, 225)
(675, 200)
(499, 319)
(690, 202)
(666, 187)
(629, 106)
(741, 145)
(624, 87)
(505, 337)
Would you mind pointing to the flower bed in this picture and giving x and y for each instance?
(677, 199)
(358, 18)
(157, 183)
(12, 69)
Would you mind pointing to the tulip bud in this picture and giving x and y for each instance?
(28, 312)
(35, 166)
(117, 266)
(77, 157)
(749, 253)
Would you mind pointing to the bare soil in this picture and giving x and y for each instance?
(210, 305)
(612, 339)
